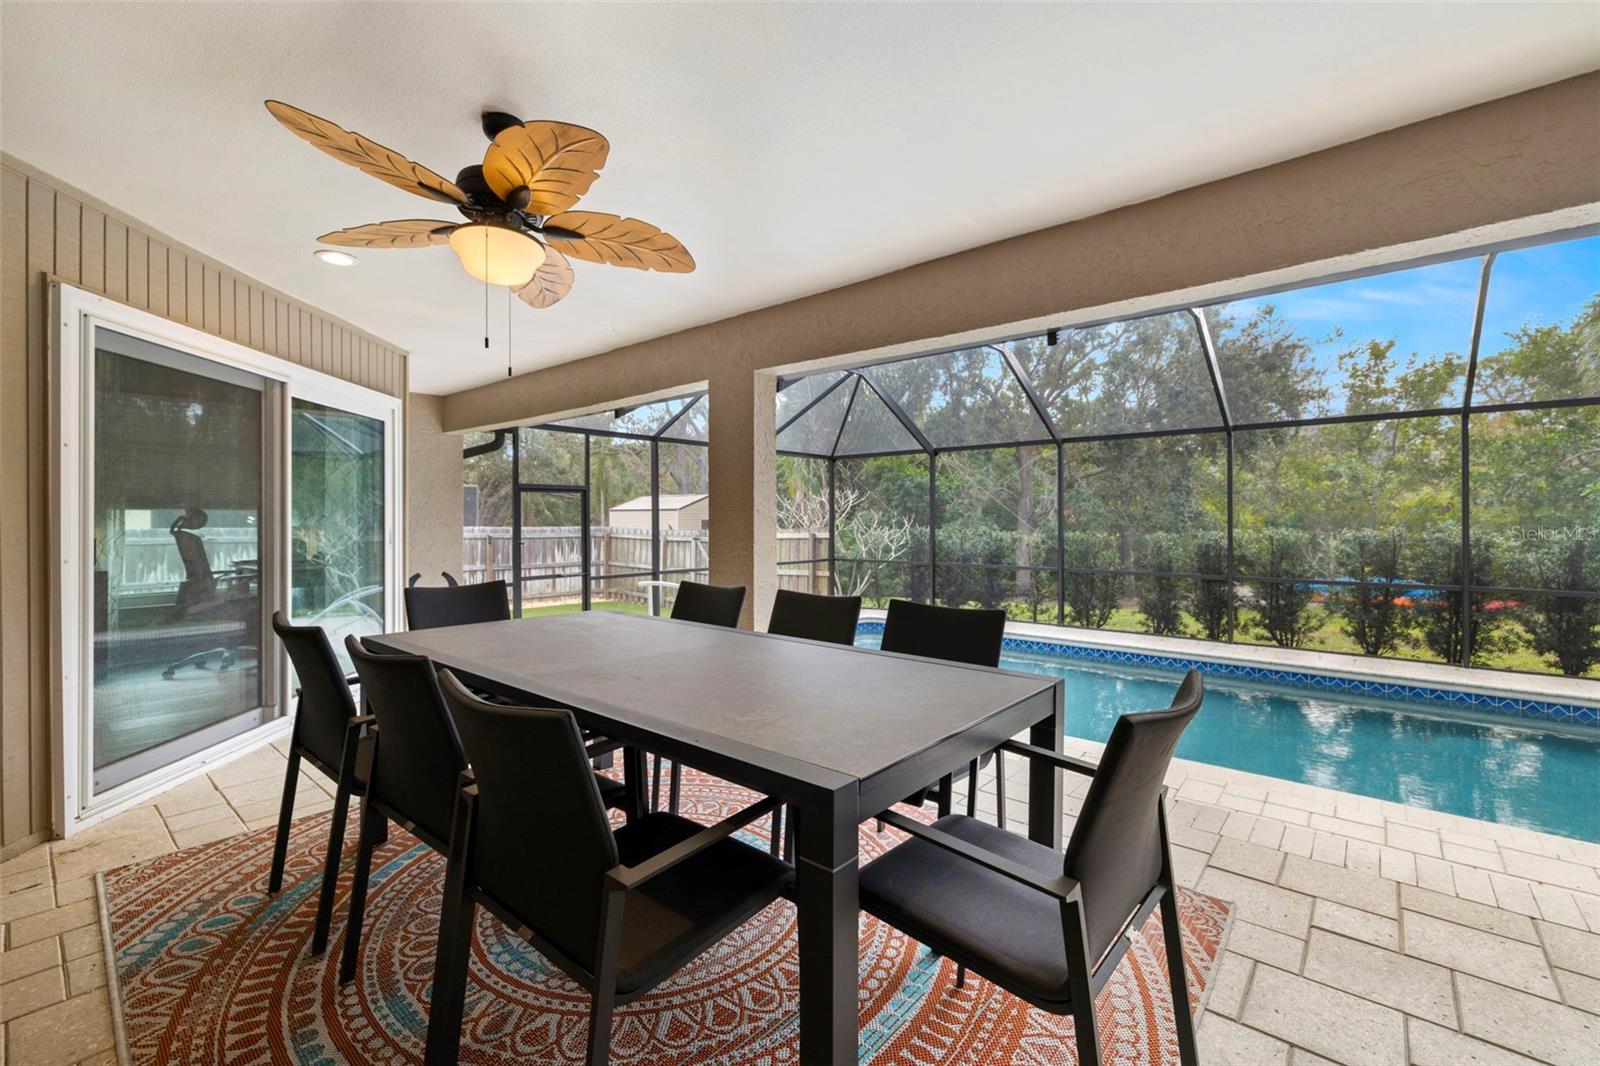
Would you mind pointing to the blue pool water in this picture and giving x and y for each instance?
(1513, 774)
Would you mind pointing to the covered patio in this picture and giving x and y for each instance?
(1071, 534)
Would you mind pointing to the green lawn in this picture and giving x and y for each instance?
(625, 606)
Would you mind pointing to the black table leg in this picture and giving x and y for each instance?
(637, 780)
(828, 899)
(1044, 782)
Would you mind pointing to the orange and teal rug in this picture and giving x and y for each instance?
(211, 970)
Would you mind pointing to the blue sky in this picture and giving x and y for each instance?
(1548, 284)
(1428, 310)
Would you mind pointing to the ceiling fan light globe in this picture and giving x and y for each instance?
(497, 254)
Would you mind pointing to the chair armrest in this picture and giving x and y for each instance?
(1061, 888)
(603, 746)
(628, 878)
(1054, 758)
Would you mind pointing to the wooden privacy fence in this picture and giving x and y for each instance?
(803, 561)
(552, 559)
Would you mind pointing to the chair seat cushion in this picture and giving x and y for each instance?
(672, 918)
(1006, 931)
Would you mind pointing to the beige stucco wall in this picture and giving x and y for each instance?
(433, 490)
(1532, 158)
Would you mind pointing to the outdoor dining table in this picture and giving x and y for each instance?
(839, 733)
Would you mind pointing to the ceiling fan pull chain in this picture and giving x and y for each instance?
(486, 291)
(508, 333)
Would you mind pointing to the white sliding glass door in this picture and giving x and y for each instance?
(179, 477)
(200, 487)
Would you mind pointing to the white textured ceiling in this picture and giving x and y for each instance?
(792, 148)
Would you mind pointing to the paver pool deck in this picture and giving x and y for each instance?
(1365, 932)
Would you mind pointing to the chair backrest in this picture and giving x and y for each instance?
(419, 756)
(716, 605)
(1115, 851)
(199, 583)
(542, 843)
(803, 614)
(456, 605)
(325, 706)
(954, 634)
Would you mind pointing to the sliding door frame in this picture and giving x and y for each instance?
(76, 314)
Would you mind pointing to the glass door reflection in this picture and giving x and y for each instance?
(178, 508)
(337, 534)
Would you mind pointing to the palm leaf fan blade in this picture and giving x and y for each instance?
(551, 282)
(618, 241)
(400, 233)
(365, 154)
(555, 161)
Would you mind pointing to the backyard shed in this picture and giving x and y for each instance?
(690, 511)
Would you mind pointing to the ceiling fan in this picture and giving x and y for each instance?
(521, 227)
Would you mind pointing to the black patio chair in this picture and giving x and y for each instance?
(326, 734)
(1049, 928)
(713, 605)
(804, 614)
(415, 761)
(827, 618)
(956, 635)
(455, 604)
(617, 911)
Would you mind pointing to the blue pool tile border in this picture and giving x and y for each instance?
(1482, 702)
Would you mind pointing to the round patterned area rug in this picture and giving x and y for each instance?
(212, 970)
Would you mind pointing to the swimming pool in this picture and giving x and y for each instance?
(1514, 774)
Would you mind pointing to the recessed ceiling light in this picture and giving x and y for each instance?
(333, 258)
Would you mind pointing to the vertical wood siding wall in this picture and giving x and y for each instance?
(48, 230)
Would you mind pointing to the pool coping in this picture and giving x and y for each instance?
(1568, 701)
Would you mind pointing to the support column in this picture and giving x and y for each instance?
(743, 505)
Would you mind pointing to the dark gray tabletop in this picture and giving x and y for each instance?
(846, 710)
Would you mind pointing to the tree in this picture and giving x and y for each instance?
(1143, 374)
(981, 577)
(1544, 362)
(1567, 628)
(1372, 611)
(879, 539)
(1161, 599)
(493, 475)
(1212, 601)
(1438, 611)
(1282, 603)
(1090, 592)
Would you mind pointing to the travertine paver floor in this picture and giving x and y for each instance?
(1365, 932)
